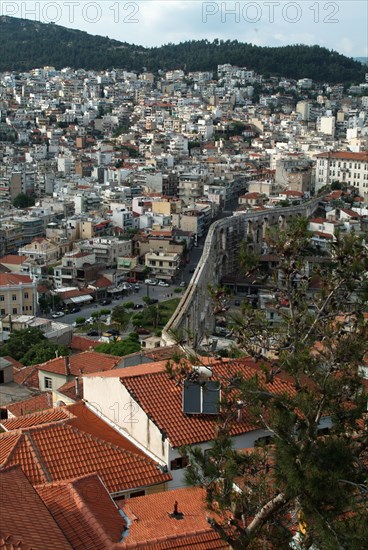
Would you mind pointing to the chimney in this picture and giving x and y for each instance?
(67, 365)
(239, 408)
(176, 514)
(77, 387)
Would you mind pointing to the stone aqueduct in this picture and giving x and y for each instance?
(193, 318)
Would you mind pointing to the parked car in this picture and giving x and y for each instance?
(138, 306)
(163, 283)
(182, 284)
(141, 330)
(152, 301)
(113, 332)
(90, 320)
(192, 270)
(152, 282)
(75, 309)
(137, 287)
(92, 333)
(106, 302)
(57, 314)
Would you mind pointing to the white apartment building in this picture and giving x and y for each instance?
(164, 265)
(106, 250)
(345, 167)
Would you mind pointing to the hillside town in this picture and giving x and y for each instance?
(123, 197)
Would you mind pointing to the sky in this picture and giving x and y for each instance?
(341, 25)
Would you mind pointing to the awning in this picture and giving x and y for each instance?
(81, 299)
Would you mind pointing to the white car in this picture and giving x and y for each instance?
(57, 314)
(163, 283)
(152, 282)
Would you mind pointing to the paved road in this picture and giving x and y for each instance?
(161, 293)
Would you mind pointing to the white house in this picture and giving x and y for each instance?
(160, 416)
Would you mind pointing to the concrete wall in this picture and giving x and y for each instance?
(244, 441)
(57, 380)
(109, 398)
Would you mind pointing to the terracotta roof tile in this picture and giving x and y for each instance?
(84, 510)
(56, 452)
(161, 397)
(87, 362)
(344, 155)
(80, 343)
(87, 421)
(136, 370)
(28, 376)
(36, 419)
(13, 259)
(103, 282)
(14, 279)
(31, 405)
(154, 526)
(22, 510)
(69, 390)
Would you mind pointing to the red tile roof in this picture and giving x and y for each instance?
(69, 390)
(13, 259)
(161, 398)
(85, 512)
(135, 371)
(345, 155)
(80, 343)
(323, 235)
(75, 293)
(31, 405)
(36, 419)
(87, 421)
(14, 279)
(350, 212)
(103, 282)
(87, 362)
(154, 526)
(28, 376)
(57, 452)
(25, 522)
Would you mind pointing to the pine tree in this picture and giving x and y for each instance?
(304, 479)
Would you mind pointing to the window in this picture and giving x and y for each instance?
(179, 463)
(48, 383)
(2, 311)
(26, 295)
(14, 297)
(15, 311)
(2, 298)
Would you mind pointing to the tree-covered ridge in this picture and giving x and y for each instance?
(26, 44)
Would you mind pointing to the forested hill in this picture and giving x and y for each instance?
(26, 44)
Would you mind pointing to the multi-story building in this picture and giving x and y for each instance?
(11, 237)
(106, 250)
(75, 267)
(163, 265)
(32, 227)
(345, 167)
(18, 294)
(41, 250)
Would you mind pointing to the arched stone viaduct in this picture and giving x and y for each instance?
(193, 318)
